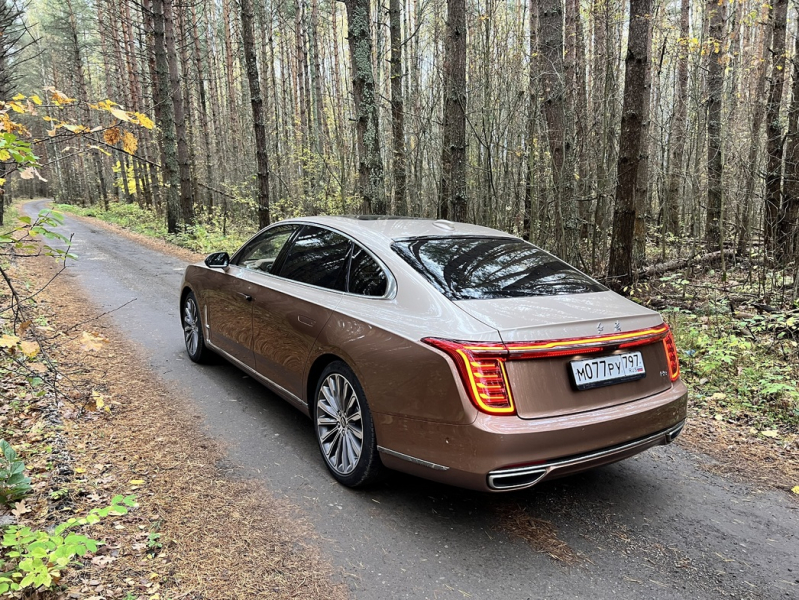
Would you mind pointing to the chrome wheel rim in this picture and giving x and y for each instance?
(339, 425)
(191, 326)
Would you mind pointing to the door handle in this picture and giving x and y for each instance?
(247, 297)
(306, 320)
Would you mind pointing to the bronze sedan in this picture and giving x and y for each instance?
(450, 351)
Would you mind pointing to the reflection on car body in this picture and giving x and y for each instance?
(450, 351)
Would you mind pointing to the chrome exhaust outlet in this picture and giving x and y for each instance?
(672, 433)
(516, 479)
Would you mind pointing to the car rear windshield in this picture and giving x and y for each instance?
(472, 268)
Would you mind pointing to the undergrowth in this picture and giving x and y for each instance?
(211, 233)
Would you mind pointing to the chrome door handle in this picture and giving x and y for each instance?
(306, 320)
(247, 297)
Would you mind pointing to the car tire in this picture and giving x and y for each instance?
(344, 428)
(193, 329)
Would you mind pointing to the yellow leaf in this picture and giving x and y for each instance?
(136, 481)
(112, 135)
(29, 349)
(8, 341)
(16, 107)
(119, 114)
(2, 181)
(19, 97)
(129, 143)
(144, 120)
(92, 341)
(80, 470)
(36, 100)
(60, 98)
(795, 489)
(4, 155)
(771, 433)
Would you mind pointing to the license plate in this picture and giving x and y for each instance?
(617, 368)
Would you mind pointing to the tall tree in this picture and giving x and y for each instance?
(774, 141)
(167, 119)
(262, 158)
(398, 167)
(635, 96)
(671, 204)
(715, 13)
(453, 152)
(371, 186)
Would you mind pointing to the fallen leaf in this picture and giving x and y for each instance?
(8, 341)
(20, 509)
(136, 481)
(771, 433)
(92, 341)
(795, 489)
(29, 349)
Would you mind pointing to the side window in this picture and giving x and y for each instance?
(318, 257)
(262, 252)
(366, 277)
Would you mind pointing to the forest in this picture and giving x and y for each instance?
(617, 135)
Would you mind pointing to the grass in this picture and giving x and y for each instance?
(205, 236)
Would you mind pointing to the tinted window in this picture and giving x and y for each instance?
(317, 256)
(262, 252)
(366, 277)
(472, 268)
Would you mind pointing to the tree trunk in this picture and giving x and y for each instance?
(398, 167)
(261, 156)
(552, 78)
(789, 208)
(367, 122)
(635, 97)
(773, 128)
(715, 13)
(186, 200)
(167, 121)
(453, 152)
(671, 206)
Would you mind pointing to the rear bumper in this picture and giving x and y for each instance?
(506, 453)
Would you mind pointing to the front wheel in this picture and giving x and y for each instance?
(344, 428)
(193, 330)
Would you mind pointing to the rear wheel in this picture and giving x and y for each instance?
(193, 330)
(344, 428)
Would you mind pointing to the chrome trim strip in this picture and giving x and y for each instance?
(267, 382)
(545, 468)
(412, 459)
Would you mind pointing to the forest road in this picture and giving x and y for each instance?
(655, 526)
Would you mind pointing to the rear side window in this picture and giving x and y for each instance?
(317, 257)
(471, 268)
(366, 277)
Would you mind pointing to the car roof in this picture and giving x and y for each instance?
(392, 228)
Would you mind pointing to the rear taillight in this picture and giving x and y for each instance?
(482, 370)
(671, 356)
(481, 365)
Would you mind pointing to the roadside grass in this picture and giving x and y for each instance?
(212, 232)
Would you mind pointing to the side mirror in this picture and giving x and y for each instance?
(217, 260)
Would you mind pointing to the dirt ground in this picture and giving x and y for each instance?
(199, 532)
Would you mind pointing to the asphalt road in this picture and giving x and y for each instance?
(655, 526)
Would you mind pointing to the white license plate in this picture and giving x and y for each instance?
(617, 368)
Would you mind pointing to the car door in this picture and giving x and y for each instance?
(290, 314)
(230, 293)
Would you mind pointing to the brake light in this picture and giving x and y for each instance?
(482, 370)
(671, 355)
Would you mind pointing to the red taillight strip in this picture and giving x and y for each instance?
(565, 347)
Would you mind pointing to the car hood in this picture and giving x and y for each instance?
(558, 317)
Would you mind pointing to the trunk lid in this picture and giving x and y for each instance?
(544, 387)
